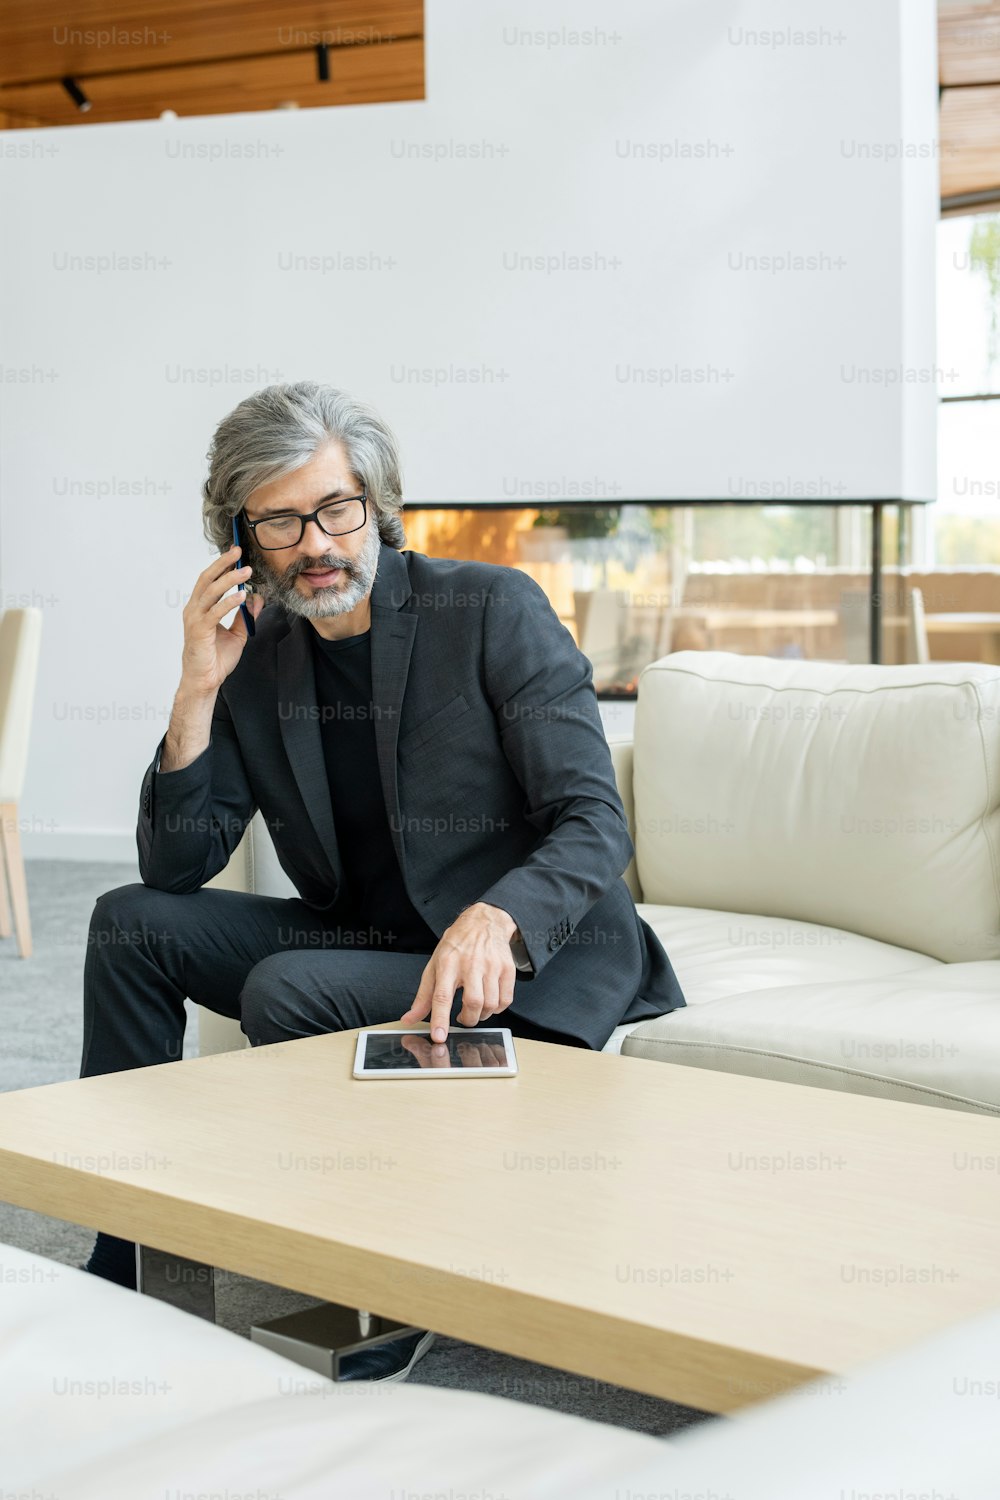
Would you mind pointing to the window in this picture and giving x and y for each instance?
(963, 526)
(634, 580)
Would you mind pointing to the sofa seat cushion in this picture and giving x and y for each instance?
(926, 1035)
(364, 1442)
(925, 1416)
(107, 1395)
(716, 953)
(105, 1368)
(719, 953)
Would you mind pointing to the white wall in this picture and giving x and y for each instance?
(786, 144)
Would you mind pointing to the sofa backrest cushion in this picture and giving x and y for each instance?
(860, 797)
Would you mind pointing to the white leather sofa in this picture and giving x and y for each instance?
(108, 1396)
(818, 847)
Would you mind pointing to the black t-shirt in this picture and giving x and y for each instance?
(381, 913)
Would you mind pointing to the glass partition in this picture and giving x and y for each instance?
(634, 580)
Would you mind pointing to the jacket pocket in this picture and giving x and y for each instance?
(415, 739)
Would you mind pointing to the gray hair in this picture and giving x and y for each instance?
(280, 429)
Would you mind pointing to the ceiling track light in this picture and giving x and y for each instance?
(323, 62)
(76, 93)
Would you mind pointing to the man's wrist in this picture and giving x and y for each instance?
(189, 732)
(497, 913)
(508, 930)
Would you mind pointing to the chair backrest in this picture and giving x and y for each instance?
(855, 622)
(20, 640)
(267, 878)
(599, 628)
(865, 798)
(919, 650)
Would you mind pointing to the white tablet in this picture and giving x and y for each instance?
(469, 1052)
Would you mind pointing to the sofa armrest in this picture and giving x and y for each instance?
(621, 760)
(238, 873)
(219, 1033)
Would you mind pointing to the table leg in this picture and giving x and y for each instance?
(187, 1284)
(320, 1337)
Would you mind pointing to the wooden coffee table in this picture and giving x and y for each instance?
(700, 1236)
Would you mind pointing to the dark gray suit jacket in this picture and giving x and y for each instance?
(495, 770)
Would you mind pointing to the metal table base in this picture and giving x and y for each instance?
(317, 1337)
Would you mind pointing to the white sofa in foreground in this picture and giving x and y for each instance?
(818, 847)
(106, 1395)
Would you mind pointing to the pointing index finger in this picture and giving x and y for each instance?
(444, 994)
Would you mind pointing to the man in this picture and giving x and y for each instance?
(422, 738)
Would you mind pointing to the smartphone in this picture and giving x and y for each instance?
(248, 618)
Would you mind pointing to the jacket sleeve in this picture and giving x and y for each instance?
(191, 820)
(541, 688)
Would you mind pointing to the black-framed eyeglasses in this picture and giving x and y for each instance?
(335, 518)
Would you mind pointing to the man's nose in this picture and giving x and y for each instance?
(315, 541)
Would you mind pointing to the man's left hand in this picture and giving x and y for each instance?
(473, 954)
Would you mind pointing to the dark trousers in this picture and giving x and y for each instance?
(270, 962)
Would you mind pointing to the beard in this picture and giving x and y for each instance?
(336, 599)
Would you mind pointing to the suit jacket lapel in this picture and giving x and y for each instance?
(392, 634)
(300, 732)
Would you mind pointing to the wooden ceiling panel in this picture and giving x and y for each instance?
(969, 113)
(970, 141)
(969, 43)
(133, 59)
(361, 75)
(46, 39)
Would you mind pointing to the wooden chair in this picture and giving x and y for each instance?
(619, 638)
(904, 634)
(918, 649)
(20, 637)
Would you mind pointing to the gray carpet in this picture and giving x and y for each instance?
(42, 1014)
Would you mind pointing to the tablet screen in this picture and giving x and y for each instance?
(481, 1048)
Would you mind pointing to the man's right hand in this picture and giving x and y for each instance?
(211, 650)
